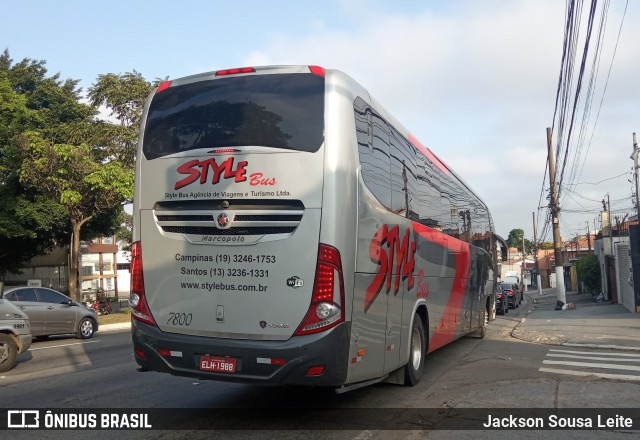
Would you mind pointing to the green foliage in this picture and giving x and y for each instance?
(30, 221)
(60, 169)
(124, 96)
(30, 224)
(69, 174)
(515, 240)
(588, 270)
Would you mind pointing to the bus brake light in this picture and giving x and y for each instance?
(138, 301)
(327, 301)
(235, 71)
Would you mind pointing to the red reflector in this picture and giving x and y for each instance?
(316, 370)
(139, 353)
(278, 361)
(317, 70)
(165, 353)
(165, 85)
(235, 71)
(223, 150)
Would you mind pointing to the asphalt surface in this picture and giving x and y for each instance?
(590, 324)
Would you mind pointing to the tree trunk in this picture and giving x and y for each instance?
(74, 260)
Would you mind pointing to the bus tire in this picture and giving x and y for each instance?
(418, 350)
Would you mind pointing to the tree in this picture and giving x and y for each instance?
(124, 96)
(588, 271)
(64, 175)
(31, 222)
(85, 187)
(515, 240)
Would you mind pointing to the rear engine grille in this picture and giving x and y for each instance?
(202, 230)
(245, 217)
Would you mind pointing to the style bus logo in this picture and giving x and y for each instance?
(394, 254)
(211, 171)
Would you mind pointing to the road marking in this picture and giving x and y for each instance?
(586, 373)
(63, 345)
(599, 354)
(594, 358)
(604, 360)
(593, 365)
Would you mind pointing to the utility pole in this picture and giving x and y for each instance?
(524, 263)
(588, 236)
(557, 241)
(535, 253)
(610, 244)
(634, 156)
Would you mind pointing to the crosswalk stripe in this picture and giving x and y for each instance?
(598, 353)
(592, 358)
(593, 365)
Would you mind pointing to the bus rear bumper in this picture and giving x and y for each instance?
(319, 359)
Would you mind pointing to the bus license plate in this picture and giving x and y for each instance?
(218, 364)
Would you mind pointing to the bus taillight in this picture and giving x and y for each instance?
(235, 71)
(164, 86)
(327, 301)
(137, 300)
(317, 70)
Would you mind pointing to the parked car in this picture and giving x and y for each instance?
(53, 313)
(15, 333)
(501, 301)
(510, 291)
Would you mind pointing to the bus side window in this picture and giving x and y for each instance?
(373, 149)
(403, 176)
(428, 194)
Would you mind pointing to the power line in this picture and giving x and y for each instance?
(626, 173)
(570, 146)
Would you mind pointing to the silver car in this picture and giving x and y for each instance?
(52, 313)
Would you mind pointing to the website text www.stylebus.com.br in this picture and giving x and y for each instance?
(449, 418)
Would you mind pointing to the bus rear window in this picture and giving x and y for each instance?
(277, 110)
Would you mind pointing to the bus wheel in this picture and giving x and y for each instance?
(413, 370)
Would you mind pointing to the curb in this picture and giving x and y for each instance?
(542, 338)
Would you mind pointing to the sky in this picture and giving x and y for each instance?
(474, 80)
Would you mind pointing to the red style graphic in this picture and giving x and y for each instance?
(200, 169)
(445, 328)
(394, 256)
(423, 286)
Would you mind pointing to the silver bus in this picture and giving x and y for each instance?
(289, 230)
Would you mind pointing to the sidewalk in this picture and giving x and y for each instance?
(114, 327)
(590, 324)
